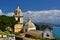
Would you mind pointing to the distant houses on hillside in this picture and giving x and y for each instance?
(7, 37)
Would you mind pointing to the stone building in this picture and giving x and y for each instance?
(47, 33)
(7, 37)
(19, 17)
(29, 26)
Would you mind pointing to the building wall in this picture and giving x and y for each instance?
(16, 18)
(7, 37)
(18, 27)
(48, 34)
(21, 20)
(29, 29)
(19, 17)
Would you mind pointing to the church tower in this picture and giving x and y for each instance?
(19, 17)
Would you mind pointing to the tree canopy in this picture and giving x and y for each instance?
(6, 21)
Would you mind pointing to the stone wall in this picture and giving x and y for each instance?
(7, 37)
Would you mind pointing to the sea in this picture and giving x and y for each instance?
(56, 31)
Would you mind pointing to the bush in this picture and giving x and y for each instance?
(46, 39)
(0, 30)
(30, 36)
(16, 33)
(6, 32)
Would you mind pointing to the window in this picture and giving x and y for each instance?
(18, 19)
(47, 35)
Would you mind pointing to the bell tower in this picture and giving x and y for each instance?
(19, 17)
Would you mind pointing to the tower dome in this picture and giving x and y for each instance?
(18, 15)
(18, 12)
(29, 25)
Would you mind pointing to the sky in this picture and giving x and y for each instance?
(47, 11)
(27, 5)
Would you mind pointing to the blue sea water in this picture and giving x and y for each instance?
(56, 31)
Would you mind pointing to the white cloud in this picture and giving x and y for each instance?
(1, 12)
(48, 16)
(10, 14)
(7, 14)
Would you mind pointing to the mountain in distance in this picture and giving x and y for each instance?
(50, 24)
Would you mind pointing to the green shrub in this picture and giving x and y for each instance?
(6, 32)
(16, 33)
(46, 39)
(0, 30)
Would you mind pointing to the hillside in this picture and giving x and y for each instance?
(6, 21)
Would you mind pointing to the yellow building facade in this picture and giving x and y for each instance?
(19, 17)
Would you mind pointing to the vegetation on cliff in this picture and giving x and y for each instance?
(6, 21)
